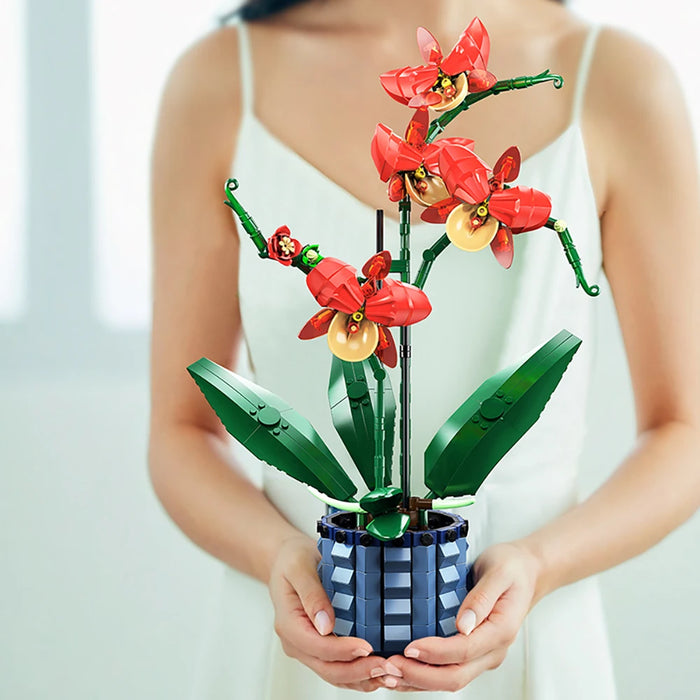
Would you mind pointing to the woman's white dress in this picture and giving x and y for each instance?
(484, 318)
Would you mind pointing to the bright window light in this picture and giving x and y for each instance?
(134, 45)
(12, 160)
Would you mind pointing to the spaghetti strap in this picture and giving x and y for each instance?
(583, 70)
(246, 62)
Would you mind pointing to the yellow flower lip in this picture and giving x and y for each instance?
(452, 94)
(431, 189)
(464, 234)
(352, 346)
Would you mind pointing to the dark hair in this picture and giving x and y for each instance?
(258, 9)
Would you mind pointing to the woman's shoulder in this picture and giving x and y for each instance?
(634, 103)
(208, 69)
(201, 99)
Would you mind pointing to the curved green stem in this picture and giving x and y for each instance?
(429, 256)
(559, 226)
(349, 506)
(457, 502)
(249, 225)
(520, 83)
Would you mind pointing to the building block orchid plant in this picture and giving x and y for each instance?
(477, 206)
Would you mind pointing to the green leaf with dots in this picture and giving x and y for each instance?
(478, 434)
(271, 429)
(352, 395)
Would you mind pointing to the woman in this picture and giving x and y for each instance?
(292, 100)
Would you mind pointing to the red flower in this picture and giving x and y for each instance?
(411, 165)
(487, 212)
(357, 314)
(282, 247)
(443, 82)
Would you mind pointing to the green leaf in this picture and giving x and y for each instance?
(271, 429)
(352, 395)
(382, 500)
(389, 526)
(477, 435)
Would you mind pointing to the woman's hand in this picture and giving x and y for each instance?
(304, 621)
(488, 621)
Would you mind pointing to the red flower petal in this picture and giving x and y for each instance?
(438, 213)
(317, 325)
(396, 189)
(520, 208)
(480, 80)
(404, 83)
(465, 174)
(397, 304)
(334, 284)
(275, 248)
(386, 347)
(417, 128)
(507, 167)
(378, 266)
(471, 50)
(502, 246)
(428, 46)
(391, 154)
(424, 99)
(431, 153)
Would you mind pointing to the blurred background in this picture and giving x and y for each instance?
(100, 595)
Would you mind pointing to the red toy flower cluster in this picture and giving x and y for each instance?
(358, 312)
(410, 165)
(446, 177)
(282, 247)
(486, 212)
(443, 82)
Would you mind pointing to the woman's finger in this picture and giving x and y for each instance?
(498, 630)
(481, 599)
(295, 629)
(361, 674)
(307, 586)
(449, 678)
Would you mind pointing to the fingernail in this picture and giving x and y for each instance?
(376, 672)
(411, 653)
(390, 668)
(467, 622)
(323, 623)
(390, 681)
(360, 652)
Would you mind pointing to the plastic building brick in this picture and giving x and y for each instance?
(477, 435)
(271, 429)
(403, 589)
(352, 396)
(394, 564)
(443, 82)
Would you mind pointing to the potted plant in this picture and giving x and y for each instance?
(394, 564)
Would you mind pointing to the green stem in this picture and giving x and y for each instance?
(249, 225)
(380, 477)
(520, 83)
(429, 257)
(572, 255)
(349, 506)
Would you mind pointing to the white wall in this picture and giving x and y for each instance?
(100, 596)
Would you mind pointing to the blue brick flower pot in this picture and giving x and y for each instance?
(391, 593)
